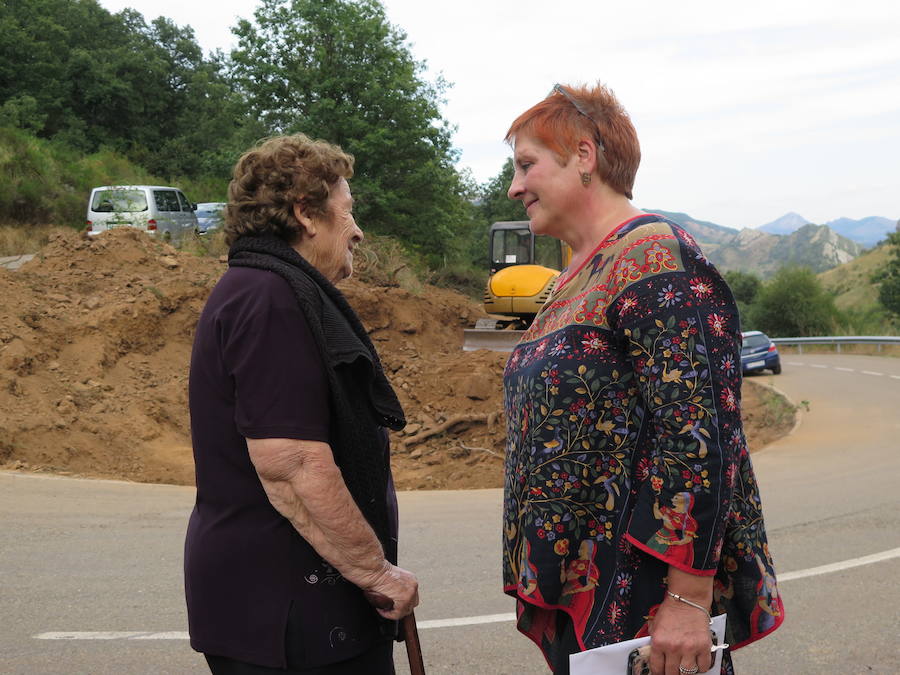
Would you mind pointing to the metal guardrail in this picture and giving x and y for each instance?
(838, 340)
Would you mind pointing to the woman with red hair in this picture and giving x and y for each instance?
(622, 399)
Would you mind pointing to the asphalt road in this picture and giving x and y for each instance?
(104, 557)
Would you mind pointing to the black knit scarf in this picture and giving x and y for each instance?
(362, 400)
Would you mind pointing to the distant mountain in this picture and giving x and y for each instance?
(867, 231)
(759, 252)
(709, 235)
(815, 246)
(788, 223)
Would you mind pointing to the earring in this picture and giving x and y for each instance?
(585, 179)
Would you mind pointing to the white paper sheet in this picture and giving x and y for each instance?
(613, 659)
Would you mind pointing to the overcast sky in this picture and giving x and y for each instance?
(744, 111)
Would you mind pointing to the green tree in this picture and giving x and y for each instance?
(339, 71)
(793, 304)
(889, 276)
(744, 285)
(494, 203)
(22, 112)
(74, 72)
(204, 127)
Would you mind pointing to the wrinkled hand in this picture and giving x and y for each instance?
(679, 636)
(394, 592)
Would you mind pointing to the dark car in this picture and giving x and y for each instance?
(759, 353)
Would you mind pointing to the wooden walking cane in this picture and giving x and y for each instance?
(410, 632)
(413, 648)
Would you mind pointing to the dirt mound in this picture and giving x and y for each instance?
(95, 340)
(96, 336)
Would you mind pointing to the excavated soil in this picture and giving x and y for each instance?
(95, 340)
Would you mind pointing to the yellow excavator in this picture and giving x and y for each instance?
(523, 268)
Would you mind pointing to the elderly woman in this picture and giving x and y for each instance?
(295, 522)
(631, 506)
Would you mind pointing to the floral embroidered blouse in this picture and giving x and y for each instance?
(625, 450)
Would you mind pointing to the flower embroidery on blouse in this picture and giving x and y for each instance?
(717, 324)
(657, 257)
(626, 270)
(701, 287)
(668, 296)
(594, 343)
(728, 399)
(628, 302)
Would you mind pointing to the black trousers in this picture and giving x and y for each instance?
(377, 661)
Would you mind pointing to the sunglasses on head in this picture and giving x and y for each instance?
(559, 89)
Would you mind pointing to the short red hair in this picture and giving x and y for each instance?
(559, 125)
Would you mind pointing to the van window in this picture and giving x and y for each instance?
(119, 201)
(185, 204)
(166, 200)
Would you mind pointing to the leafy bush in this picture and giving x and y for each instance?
(793, 304)
(743, 285)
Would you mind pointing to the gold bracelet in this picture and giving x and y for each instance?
(692, 604)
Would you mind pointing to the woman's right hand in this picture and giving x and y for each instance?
(394, 592)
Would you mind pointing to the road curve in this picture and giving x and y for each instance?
(104, 557)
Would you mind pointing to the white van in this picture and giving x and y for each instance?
(155, 209)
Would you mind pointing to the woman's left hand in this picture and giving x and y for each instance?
(679, 634)
(679, 638)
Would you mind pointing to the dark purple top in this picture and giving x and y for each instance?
(256, 590)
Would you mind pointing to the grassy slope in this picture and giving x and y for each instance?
(852, 283)
(856, 295)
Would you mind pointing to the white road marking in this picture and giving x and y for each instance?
(838, 566)
(96, 635)
(844, 370)
(167, 635)
(461, 621)
(467, 620)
